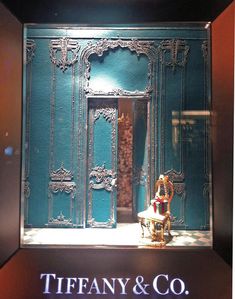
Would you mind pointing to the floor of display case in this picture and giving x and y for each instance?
(126, 234)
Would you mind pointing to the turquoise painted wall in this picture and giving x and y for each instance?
(168, 67)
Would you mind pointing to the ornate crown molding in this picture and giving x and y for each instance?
(139, 47)
(120, 92)
(173, 53)
(60, 220)
(64, 45)
(30, 50)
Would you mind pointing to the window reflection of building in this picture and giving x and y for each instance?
(194, 125)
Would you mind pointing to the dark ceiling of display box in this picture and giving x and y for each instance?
(115, 11)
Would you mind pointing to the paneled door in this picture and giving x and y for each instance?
(102, 163)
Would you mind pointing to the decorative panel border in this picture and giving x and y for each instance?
(99, 176)
(137, 46)
(173, 54)
(61, 180)
(85, 92)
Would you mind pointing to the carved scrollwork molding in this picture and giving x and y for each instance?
(173, 53)
(67, 187)
(102, 178)
(119, 92)
(108, 114)
(60, 220)
(179, 188)
(139, 47)
(30, 50)
(174, 175)
(178, 222)
(61, 181)
(178, 180)
(94, 224)
(205, 50)
(64, 45)
(26, 189)
(61, 174)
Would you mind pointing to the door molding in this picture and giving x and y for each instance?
(100, 177)
(139, 47)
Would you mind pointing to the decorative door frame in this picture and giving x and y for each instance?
(140, 47)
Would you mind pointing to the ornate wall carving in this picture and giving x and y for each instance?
(64, 45)
(30, 50)
(102, 178)
(139, 47)
(63, 54)
(173, 53)
(205, 50)
(61, 181)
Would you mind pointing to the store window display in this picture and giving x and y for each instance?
(106, 111)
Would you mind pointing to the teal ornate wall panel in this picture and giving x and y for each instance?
(119, 69)
(64, 55)
(38, 125)
(29, 55)
(183, 123)
(102, 163)
(68, 69)
(173, 57)
(197, 146)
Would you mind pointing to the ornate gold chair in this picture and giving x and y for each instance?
(157, 217)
